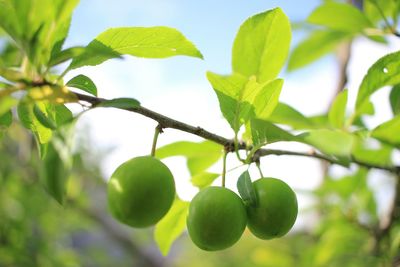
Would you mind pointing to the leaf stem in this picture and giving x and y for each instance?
(224, 167)
(157, 132)
(236, 147)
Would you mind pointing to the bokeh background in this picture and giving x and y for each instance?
(36, 231)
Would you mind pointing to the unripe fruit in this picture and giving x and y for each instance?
(141, 191)
(216, 219)
(276, 211)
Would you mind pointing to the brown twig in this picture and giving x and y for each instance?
(167, 122)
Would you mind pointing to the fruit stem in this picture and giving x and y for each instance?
(224, 167)
(157, 131)
(236, 147)
(259, 168)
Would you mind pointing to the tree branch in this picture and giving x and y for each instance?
(166, 122)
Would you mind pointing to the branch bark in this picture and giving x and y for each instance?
(166, 122)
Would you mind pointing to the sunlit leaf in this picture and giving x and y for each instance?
(285, 114)
(204, 179)
(267, 98)
(351, 19)
(151, 42)
(264, 132)
(388, 132)
(58, 114)
(6, 103)
(316, 45)
(11, 74)
(337, 111)
(171, 226)
(380, 156)
(200, 156)
(228, 90)
(241, 99)
(65, 55)
(375, 8)
(37, 26)
(330, 142)
(43, 118)
(84, 83)
(382, 73)
(262, 45)
(29, 121)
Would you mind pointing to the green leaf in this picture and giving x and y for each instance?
(6, 103)
(200, 156)
(11, 74)
(37, 26)
(388, 132)
(122, 103)
(171, 226)
(264, 132)
(377, 156)
(246, 189)
(320, 121)
(188, 149)
(267, 98)
(62, 115)
(5, 122)
(43, 118)
(198, 164)
(330, 142)
(54, 174)
(29, 121)
(57, 154)
(285, 114)
(151, 42)
(95, 53)
(373, 9)
(394, 98)
(84, 83)
(340, 17)
(204, 179)
(262, 45)
(382, 73)
(52, 116)
(65, 55)
(10, 55)
(241, 99)
(315, 46)
(228, 90)
(6, 119)
(337, 111)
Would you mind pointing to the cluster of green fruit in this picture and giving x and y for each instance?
(142, 190)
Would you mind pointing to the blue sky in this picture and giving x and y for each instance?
(211, 25)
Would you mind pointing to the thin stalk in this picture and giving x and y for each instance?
(259, 169)
(157, 132)
(224, 167)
